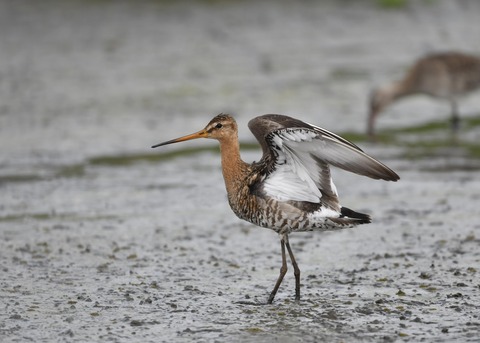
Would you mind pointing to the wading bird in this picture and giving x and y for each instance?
(290, 189)
(447, 75)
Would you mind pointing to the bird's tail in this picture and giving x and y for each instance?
(355, 217)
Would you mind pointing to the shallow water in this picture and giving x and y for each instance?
(103, 238)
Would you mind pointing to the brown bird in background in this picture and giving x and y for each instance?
(290, 189)
(445, 75)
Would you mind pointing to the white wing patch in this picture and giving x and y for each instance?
(297, 175)
(284, 184)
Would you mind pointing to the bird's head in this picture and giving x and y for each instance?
(221, 127)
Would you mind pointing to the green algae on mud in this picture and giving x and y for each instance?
(16, 178)
(72, 217)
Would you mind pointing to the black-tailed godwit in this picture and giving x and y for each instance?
(290, 189)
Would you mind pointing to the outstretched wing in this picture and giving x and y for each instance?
(300, 155)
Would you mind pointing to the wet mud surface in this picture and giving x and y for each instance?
(102, 239)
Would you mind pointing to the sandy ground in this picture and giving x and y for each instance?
(105, 240)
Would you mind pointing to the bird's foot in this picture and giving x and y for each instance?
(270, 300)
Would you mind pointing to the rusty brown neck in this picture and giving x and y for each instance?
(233, 168)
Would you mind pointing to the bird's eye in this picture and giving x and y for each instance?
(218, 126)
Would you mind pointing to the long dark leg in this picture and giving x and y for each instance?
(283, 271)
(296, 270)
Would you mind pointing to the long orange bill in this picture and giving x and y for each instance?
(199, 134)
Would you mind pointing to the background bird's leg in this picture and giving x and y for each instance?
(455, 120)
(283, 270)
(296, 270)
